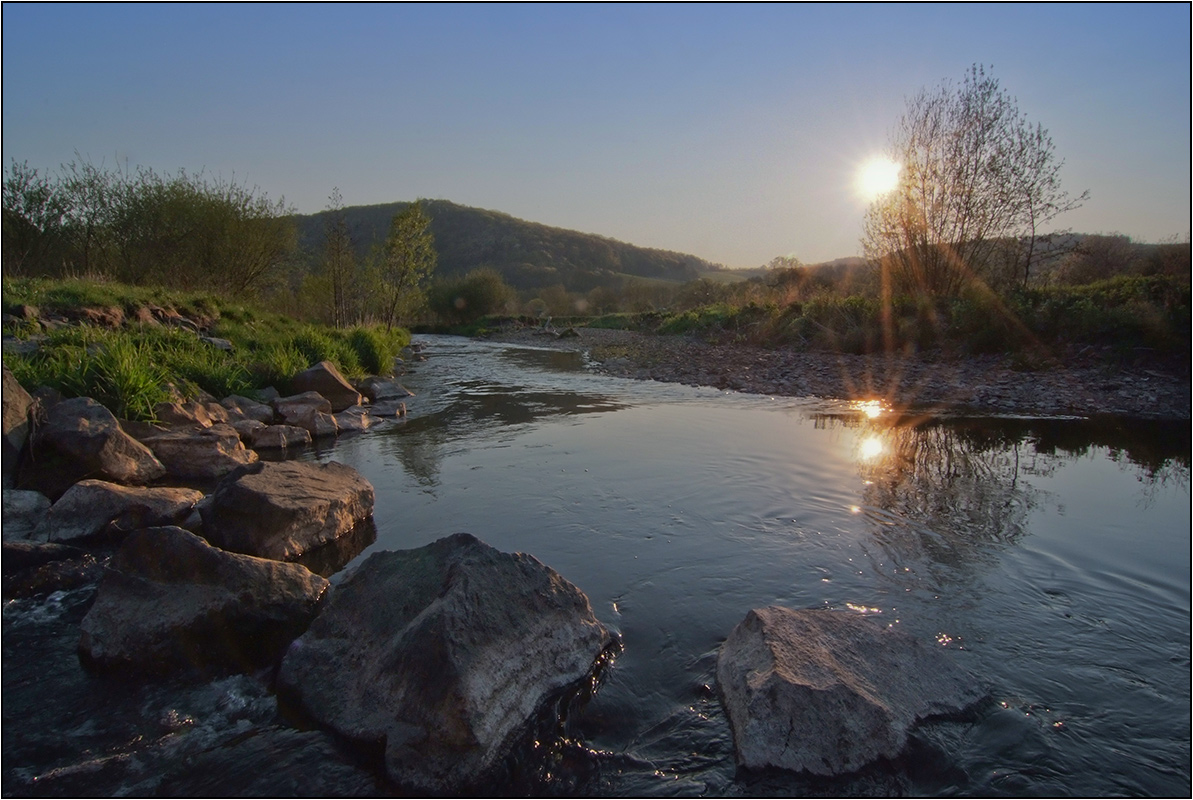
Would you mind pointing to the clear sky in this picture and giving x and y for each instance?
(727, 131)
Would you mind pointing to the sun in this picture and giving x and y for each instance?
(877, 176)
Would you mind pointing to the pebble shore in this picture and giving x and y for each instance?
(1082, 383)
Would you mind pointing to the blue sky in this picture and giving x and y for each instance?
(728, 131)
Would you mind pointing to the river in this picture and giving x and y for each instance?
(1051, 558)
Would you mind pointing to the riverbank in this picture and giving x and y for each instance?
(1082, 383)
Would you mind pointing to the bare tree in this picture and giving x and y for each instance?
(339, 258)
(975, 175)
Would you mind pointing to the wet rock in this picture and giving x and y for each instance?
(82, 439)
(249, 408)
(388, 408)
(23, 513)
(170, 602)
(203, 453)
(34, 568)
(442, 656)
(280, 437)
(16, 405)
(92, 508)
(375, 388)
(325, 379)
(827, 692)
(355, 418)
(281, 510)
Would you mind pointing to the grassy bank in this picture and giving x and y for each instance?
(1121, 314)
(135, 365)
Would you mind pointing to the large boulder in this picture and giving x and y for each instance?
(16, 405)
(827, 692)
(282, 510)
(91, 508)
(169, 603)
(442, 656)
(325, 379)
(202, 453)
(82, 439)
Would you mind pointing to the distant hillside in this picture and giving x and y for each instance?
(527, 254)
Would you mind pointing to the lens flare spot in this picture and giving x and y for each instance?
(871, 448)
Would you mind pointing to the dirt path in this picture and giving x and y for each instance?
(1082, 384)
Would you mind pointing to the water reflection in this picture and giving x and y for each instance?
(939, 491)
(475, 410)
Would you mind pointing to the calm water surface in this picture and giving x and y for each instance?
(1051, 558)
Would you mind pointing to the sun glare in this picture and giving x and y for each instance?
(877, 176)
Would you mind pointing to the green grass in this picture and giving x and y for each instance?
(131, 369)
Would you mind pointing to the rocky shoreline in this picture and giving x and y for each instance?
(1084, 383)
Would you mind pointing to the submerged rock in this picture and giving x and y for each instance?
(82, 439)
(828, 692)
(170, 602)
(442, 656)
(35, 568)
(281, 510)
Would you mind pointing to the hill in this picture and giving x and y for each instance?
(527, 254)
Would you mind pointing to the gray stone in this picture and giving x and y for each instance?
(376, 388)
(281, 510)
(355, 418)
(81, 439)
(91, 508)
(388, 408)
(216, 342)
(828, 692)
(23, 513)
(170, 603)
(442, 656)
(200, 453)
(280, 437)
(33, 568)
(247, 428)
(310, 411)
(249, 408)
(188, 413)
(16, 405)
(325, 379)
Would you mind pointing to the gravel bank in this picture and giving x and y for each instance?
(1080, 384)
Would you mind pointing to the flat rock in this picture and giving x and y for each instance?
(82, 439)
(354, 418)
(170, 603)
(202, 453)
(827, 692)
(92, 508)
(442, 656)
(280, 437)
(282, 510)
(376, 388)
(325, 379)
